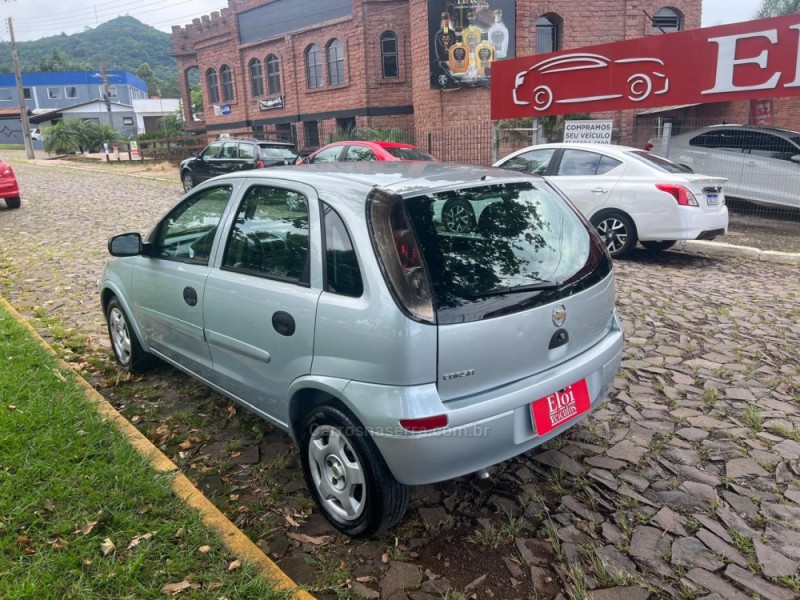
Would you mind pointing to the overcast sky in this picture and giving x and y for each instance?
(34, 19)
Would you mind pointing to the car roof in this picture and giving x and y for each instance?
(354, 180)
(372, 142)
(255, 141)
(580, 146)
(776, 130)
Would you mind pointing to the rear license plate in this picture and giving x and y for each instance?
(559, 408)
(712, 199)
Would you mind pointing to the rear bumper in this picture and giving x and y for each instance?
(482, 430)
(689, 223)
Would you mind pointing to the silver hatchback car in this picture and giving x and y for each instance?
(332, 301)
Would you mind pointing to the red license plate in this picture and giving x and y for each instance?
(554, 410)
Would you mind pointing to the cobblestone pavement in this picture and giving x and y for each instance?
(685, 484)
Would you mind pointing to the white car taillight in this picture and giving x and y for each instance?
(682, 194)
(399, 256)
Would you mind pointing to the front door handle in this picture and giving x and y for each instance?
(190, 296)
(599, 190)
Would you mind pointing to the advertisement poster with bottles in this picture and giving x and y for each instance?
(466, 37)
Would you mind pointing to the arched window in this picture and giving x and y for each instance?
(227, 83)
(666, 20)
(273, 75)
(212, 85)
(256, 78)
(389, 61)
(548, 34)
(335, 52)
(313, 67)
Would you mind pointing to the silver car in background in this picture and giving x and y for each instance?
(332, 301)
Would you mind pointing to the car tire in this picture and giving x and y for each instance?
(126, 346)
(347, 476)
(458, 216)
(658, 246)
(13, 202)
(187, 180)
(617, 232)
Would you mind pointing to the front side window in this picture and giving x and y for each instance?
(342, 274)
(273, 75)
(548, 34)
(212, 150)
(335, 62)
(187, 232)
(581, 162)
(54, 93)
(389, 61)
(226, 75)
(731, 140)
(212, 85)
(256, 78)
(535, 161)
(270, 235)
(328, 155)
(313, 67)
(666, 20)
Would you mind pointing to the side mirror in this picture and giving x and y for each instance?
(125, 244)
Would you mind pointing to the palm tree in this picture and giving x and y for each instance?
(776, 8)
(60, 139)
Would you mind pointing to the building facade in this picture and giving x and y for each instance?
(307, 71)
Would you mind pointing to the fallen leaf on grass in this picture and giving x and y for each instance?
(135, 541)
(214, 585)
(364, 579)
(48, 505)
(475, 583)
(173, 589)
(302, 537)
(291, 521)
(11, 407)
(107, 547)
(26, 544)
(59, 543)
(87, 528)
(204, 549)
(231, 411)
(234, 565)
(186, 444)
(181, 532)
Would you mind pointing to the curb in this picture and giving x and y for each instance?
(233, 538)
(729, 250)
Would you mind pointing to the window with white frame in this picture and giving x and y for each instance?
(127, 120)
(335, 52)
(71, 92)
(54, 93)
(6, 95)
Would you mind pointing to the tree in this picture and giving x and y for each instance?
(60, 139)
(145, 73)
(777, 8)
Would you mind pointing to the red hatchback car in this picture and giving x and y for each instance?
(356, 151)
(9, 190)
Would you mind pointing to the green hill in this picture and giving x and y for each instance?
(124, 43)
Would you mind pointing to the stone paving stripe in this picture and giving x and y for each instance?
(235, 540)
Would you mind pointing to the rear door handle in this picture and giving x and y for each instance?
(752, 163)
(599, 190)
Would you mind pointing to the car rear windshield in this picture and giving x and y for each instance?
(408, 154)
(522, 246)
(277, 152)
(659, 163)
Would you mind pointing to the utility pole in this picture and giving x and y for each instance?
(23, 108)
(106, 92)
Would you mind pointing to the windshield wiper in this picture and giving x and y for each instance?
(517, 289)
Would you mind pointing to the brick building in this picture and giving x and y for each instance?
(304, 70)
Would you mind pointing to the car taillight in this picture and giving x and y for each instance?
(260, 164)
(425, 423)
(649, 146)
(682, 194)
(399, 256)
(6, 170)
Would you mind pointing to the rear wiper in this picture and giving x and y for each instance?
(517, 289)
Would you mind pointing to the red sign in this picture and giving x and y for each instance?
(556, 409)
(761, 112)
(754, 59)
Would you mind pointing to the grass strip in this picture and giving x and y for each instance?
(82, 514)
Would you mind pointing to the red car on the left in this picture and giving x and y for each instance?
(9, 190)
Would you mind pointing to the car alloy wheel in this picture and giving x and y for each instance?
(617, 232)
(188, 181)
(127, 349)
(458, 217)
(347, 475)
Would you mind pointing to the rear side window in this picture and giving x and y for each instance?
(657, 162)
(409, 154)
(769, 146)
(581, 162)
(527, 246)
(342, 274)
(247, 151)
(731, 140)
(359, 153)
(270, 235)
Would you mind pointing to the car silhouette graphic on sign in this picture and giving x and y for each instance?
(646, 79)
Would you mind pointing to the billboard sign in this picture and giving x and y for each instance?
(752, 59)
(594, 131)
(465, 37)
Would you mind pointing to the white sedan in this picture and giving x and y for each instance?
(628, 194)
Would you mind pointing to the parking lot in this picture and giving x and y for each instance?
(685, 483)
